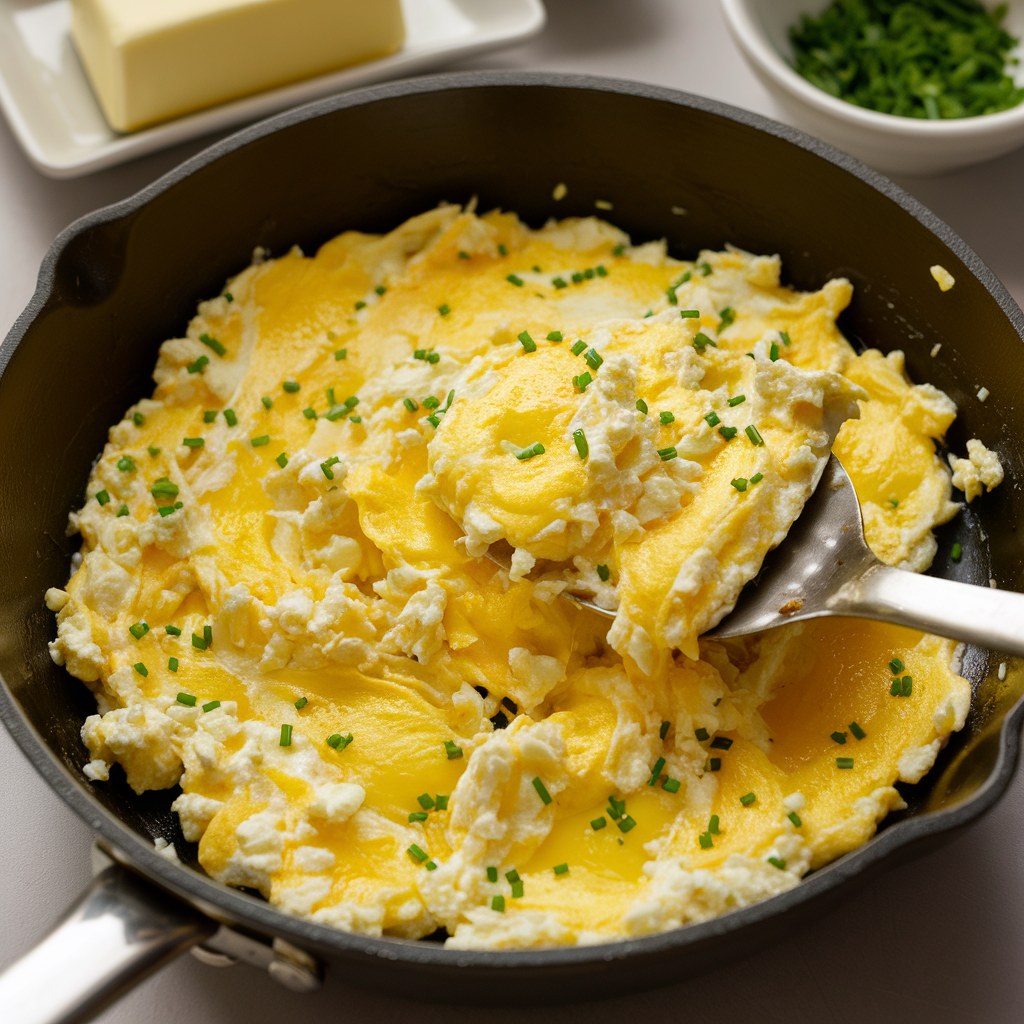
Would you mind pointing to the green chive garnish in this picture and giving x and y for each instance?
(512, 876)
(702, 735)
(666, 417)
(301, 703)
(755, 438)
(670, 785)
(172, 631)
(197, 366)
(122, 511)
(138, 630)
(141, 669)
(728, 317)
(325, 467)
(712, 419)
(839, 737)
(529, 345)
(844, 762)
(857, 731)
(542, 791)
(701, 342)
(199, 642)
(154, 452)
(126, 464)
(529, 453)
(513, 279)
(559, 282)
(721, 743)
(626, 824)
(705, 840)
(339, 742)
(282, 460)
(492, 874)
(603, 572)
(193, 442)
(689, 314)
(747, 799)
(418, 816)
(896, 666)
(713, 824)
(554, 335)
(259, 442)
(667, 453)
(444, 309)
(102, 497)
(502, 249)
(600, 270)
(498, 904)
(286, 736)
(453, 751)
(417, 854)
(955, 553)
(210, 415)
(738, 400)
(187, 699)
(795, 818)
(342, 353)
(213, 343)
(172, 664)
(739, 483)
(561, 869)
(714, 764)
(230, 418)
(410, 404)
(786, 340)
(777, 862)
(757, 478)
(360, 305)
(594, 360)
(268, 402)
(463, 255)
(309, 412)
(291, 386)
(907, 685)
(578, 347)
(656, 771)
(641, 406)
(441, 802)
(598, 823)
(138, 419)
(211, 706)
(773, 353)
(517, 890)
(580, 440)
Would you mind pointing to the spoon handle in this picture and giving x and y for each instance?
(979, 615)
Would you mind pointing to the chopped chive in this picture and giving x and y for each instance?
(341, 353)
(512, 876)
(502, 249)
(441, 802)
(529, 345)
(844, 762)
(705, 840)
(614, 812)
(259, 442)
(380, 289)
(739, 483)
(663, 731)
(580, 440)
(839, 737)
(339, 742)
(598, 823)
(578, 347)
(577, 278)
(714, 764)
(230, 418)
(514, 279)
(126, 464)
(444, 309)
(211, 705)
(213, 343)
(138, 629)
(325, 467)
(199, 642)
(773, 353)
(738, 400)
(123, 511)
(210, 415)
(656, 771)
(895, 502)
(594, 359)
(498, 904)
(641, 406)
(430, 402)
(417, 854)
(492, 874)
(172, 631)
(430, 865)
(618, 250)
(529, 453)
(138, 419)
(561, 869)
(666, 417)
(172, 664)
(712, 419)
(463, 255)
(689, 314)
(713, 826)
(286, 736)
(154, 452)
(777, 862)
(554, 335)
(102, 497)
(786, 340)
(705, 268)
(309, 412)
(589, 273)
(197, 366)
(517, 890)
(600, 270)
(728, 317)
(291, 386)
(907, 685)
(956, 553)
(268, 402)
(702, 735)
(721, 743)
(667, 453)
(603, 572)
(795, 818)
(542, 790)
(701, 342)
(670, 785)
(208, 635)
(896, 666)
(282, 460)
(360, 305)
(896, 689)
(626, 824)
(857, 731)
(757, 478)
(559, 282)
(433, 421)
(747, 799)
(352, 401)
(453, 751)
(193, 442)
(301, 703)
(355, 419)
(187, 699)
(141, 669)
(433, 358)
(410, 404)
(418, 816)
(755, 438)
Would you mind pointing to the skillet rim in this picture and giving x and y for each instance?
(235, 907)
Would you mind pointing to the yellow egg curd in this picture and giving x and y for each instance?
(322, 575)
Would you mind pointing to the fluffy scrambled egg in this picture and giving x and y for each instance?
(320, 583)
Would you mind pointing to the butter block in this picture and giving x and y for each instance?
(150, 60)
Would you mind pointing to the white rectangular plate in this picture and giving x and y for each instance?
(53, 113)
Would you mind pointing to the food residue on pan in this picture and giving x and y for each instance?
(285, 602)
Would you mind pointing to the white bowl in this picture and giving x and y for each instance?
(902, 145)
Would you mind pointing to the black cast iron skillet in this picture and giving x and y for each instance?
(118, 282)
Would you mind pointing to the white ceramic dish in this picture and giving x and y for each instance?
(902, 145)
(53, 113)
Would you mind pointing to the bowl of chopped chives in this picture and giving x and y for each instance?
(919, 87)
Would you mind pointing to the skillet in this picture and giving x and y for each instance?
(121, 280)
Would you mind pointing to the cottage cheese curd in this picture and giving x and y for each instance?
(285, 606)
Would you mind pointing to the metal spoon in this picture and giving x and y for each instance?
(824, 567)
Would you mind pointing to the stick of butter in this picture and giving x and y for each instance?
(150, 60)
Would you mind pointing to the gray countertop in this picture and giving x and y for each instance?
(938, 937)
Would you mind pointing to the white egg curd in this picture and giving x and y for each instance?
(321, 577)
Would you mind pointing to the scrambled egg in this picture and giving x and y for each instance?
(285, 602)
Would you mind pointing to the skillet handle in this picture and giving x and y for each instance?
(121, 930)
